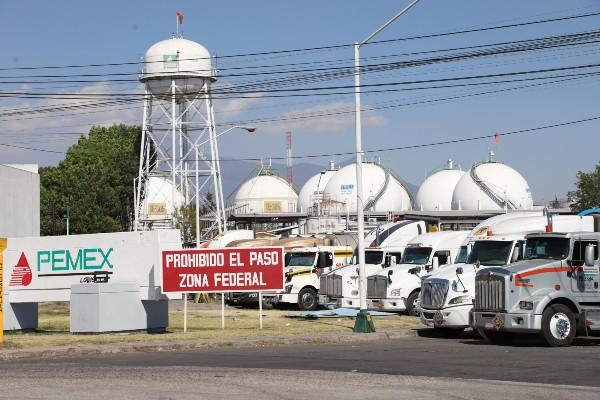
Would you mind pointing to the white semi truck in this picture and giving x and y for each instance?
(303, 268)
(446, 298)
(339, 288)
(396, 289)
(554, 291)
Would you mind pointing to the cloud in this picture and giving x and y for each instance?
(329, 118)
(227, 109)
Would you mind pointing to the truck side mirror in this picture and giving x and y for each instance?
(288, 257)
(459, 270)
(387, 261)
(590, 255)
(325, 260)
(390, 273)
(515, 255)
(435, 263)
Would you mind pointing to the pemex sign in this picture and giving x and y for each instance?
(44, 268)
(223, 270)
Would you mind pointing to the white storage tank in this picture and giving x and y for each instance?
(184, 60)
(312, 191)
(382, 189)
(159, 199)
(266, 194)
(492, 185)
(435, 193)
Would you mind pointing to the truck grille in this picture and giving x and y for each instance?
(433, 292)
(377, 287)
(331, 285)
(489, 293)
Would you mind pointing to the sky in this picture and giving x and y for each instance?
(60, 33)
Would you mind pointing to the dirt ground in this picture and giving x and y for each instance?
(204, 323)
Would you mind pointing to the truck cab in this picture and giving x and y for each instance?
(553, 292)
(397, 288)
(339, 288)
(303, 268)
(446, 299)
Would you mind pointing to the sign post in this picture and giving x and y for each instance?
(260, 309)
(2, 247)
(223, 270)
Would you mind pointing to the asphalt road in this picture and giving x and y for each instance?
(418, 367)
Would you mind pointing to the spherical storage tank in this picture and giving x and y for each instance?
(159, 198)
(266, 194)
(312, 191)
(187, 62)
(492, 185)
(382, 190)
(435, 193)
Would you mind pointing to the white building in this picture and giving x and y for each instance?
(19, 200)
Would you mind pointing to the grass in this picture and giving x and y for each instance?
(204, 323)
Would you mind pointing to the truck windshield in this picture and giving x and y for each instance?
(373, 257)
(301, 259)
(552, 248)
(416, 255)
(490, 252)
(461, 258)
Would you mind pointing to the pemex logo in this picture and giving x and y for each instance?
(21, 274)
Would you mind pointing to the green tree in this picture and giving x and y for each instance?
(95, 181)
(185, 218)
(587, 194)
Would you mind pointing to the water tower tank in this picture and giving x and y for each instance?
(187, 62)
(312, 191)
(266, 193)
(382, 189)
(435, 193)
(492, 185)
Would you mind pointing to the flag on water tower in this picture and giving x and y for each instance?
(497, 137)
(179, 17)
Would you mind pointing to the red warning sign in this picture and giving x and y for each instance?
(222, 270)
(21, 273)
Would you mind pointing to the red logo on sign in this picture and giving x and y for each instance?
(222, 270)
(21, 275)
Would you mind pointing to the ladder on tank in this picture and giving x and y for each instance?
(489, 192)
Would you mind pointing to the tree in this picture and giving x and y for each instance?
(95, 181)
(185, 218)
(587, 194)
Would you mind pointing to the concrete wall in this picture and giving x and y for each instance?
(19, 202)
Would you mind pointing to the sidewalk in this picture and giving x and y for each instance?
(195, 344)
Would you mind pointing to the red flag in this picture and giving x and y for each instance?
(179, 17)
(497, 137)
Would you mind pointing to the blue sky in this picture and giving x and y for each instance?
(40, 33)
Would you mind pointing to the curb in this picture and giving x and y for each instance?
(190, 345)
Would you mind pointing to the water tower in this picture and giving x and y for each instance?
(179, 143)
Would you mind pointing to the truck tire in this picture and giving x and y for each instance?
(411, 304)
(558, 325)
(500, 338)
(448, 333)
(308, 299)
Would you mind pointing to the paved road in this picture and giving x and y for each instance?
(410, 367)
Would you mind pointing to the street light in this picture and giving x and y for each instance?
(364, 323)
(218, 192)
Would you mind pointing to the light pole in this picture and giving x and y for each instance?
(363, 322)
(222, 224)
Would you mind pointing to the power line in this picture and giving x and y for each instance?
(329, 47)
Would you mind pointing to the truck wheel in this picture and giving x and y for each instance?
(558, 325)
(411, 304)
(501, 338)
(307, 299)
(449, 333)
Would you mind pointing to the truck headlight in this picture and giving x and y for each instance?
(354, 293)
(526, 305)
(395, 293)
(288, 288)
(460, 300)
